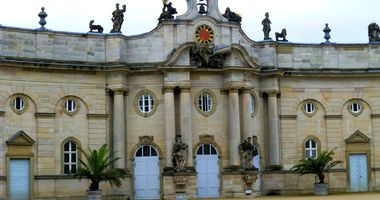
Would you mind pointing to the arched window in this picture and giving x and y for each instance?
(70, 157)
(311, 149)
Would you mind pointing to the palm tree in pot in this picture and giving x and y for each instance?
(318, 166)
(97, 167)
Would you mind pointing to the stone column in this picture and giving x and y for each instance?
(246, 113)
(119, 127)
(169, 124)
(273, 130)
(186, 122)
(234, 127)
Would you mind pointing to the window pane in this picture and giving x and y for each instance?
(73, 146)
(207, 149)
(74, 157)
(146, 151)
(314, 153)
(66, 146)
(154, 152)
(307, 144)
(66, 169)
(73, 169)
(139, 153)
(252, 105)
(213, 151)
(66, 157)
(199, 151)
(313, 144)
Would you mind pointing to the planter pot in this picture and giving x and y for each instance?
(321, 189)
(94, 195)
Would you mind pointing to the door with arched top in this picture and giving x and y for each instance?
(207, 168)
(147, 173)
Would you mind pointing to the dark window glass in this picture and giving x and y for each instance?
(66, 169)
(146, 151)
(66, 146)
(199, 151)
(213, 151)
(67, 157)
(207, 149)
(154, 152)
(139, 153)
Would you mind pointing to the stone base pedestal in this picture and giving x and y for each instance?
(94, 195)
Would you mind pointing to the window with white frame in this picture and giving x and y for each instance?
(355, 107)
(309, 107)
(19, 103)
(205, 102)
(146, 103)
(252, 104)
(311, 149)
(70, 105)
(70, 157)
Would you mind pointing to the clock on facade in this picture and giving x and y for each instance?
(204, 35)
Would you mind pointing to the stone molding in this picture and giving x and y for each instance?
(2, 113)
(44, 115)
(97, 116)
(333, 117)
(288, 117)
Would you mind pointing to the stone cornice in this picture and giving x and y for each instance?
(375, 116)
(44, 115)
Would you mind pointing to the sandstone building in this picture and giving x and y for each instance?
(62, 91)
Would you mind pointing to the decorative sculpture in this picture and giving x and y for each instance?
(231, 16)
(180, 150)
(95, 27)
(248, 150)
(266, 26)
(327, 31)
(373, 32)
(42, 16)
(204, 56)
(117, 19)
(167, 12)
(281, 35)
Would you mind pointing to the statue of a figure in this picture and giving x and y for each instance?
(167, 12)
(204, 56)
(281, 35)
(231, 16)
(373, 32)
(180, 150)
(266, 26)
(117, 19)
(248, 150)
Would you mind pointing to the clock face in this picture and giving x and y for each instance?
(204, 35)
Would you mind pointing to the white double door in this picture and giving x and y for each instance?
(358, 173)
(207, 169)
(19, 179)
(147, 173)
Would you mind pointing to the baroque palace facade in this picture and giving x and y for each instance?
(198, 76)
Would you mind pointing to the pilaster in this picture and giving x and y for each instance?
(234, 127)
(273, 130)
(46, 147)
(186, 122)
(169, 124)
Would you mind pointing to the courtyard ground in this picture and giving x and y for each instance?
(345, 196)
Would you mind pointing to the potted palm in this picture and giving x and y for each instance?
(318, 166)
(97, 167)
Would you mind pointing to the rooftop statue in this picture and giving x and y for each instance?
(281, 35)
(167, 12)
(117, 19)
(231, 16)
(95, 27)
(266, 26)
(373, 32)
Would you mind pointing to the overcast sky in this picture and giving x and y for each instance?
(303, 19)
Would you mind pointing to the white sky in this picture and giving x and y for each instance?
(303, 19)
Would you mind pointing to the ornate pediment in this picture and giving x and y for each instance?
(358, 137)
(20, 138)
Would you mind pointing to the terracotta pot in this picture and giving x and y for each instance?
(321, 189)
(94, 195)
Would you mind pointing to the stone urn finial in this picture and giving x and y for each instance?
(42, 16)
(327, 31)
